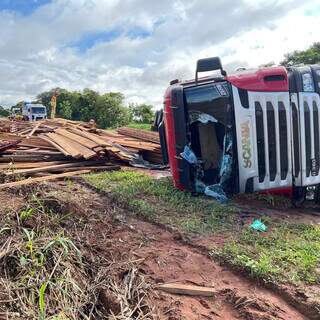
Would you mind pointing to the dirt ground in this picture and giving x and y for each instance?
(162, 257)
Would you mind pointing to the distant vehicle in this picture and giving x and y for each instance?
(15, 113)
(33, 112)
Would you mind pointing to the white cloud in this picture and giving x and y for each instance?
(37, 52)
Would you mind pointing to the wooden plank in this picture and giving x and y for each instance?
(187, 289)
(84, 151)
(28, 165)
(91, 168)
(66, 153)
(35, 152)
(90, 136)
(34, 129)
(64, 144)
(133, 143)
(42, 179)
(140, 134)
(77, 150)
(82, 140)
(51, 168)
(31, 145)
(29, 158)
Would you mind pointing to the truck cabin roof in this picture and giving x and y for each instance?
(262, 79)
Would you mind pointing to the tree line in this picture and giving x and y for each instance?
(107, 109)
(4, 112)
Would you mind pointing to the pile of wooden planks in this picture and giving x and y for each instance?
(143, 135)
(4, 145)
(58, 146)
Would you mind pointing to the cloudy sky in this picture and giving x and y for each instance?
(138, 46)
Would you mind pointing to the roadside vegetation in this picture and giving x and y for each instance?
(109, 109)
(286, 253)
(289, 253)
(42, 269)
(4, 112)
(139, 125)
(51, 265)
(159, 201)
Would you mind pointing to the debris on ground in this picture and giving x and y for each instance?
(43, 179)
(4, 145)
(187, 289)
(57, 146)
(258, 225)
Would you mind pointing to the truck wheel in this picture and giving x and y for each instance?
(299, 196)
(317, 194)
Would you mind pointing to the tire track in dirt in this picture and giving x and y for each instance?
(169, 260)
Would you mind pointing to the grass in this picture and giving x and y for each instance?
(286, 253)
(289, 253)
(41, 267)
(137, 125)
(159, 201)
(49, 268)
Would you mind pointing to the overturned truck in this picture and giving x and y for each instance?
(251, 131)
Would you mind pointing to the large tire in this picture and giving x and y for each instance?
(299, 196)
(317, 194)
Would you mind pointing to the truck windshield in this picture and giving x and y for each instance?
(210, 126)
(210, 99)
(38, 110)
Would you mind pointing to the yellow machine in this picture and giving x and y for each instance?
(53, 103)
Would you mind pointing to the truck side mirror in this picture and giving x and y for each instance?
(209, 64)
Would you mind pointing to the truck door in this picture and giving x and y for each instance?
(305, 104)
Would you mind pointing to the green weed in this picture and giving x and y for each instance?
(26, 213)
(42, 305)
(136, 125)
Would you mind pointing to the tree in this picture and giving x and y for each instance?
(110, 111)
(4, 112)
(65, 109)
(308, 56)
(87, 105)
(142, 113)
(107, 109)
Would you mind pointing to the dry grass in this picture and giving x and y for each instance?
(47, 272)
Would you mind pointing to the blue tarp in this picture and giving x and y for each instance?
(189, 155)
(215, 191)
(219, 190)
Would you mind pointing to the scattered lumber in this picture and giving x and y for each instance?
(42, 179)
(191, 290)
(144, 135)
(7, 144)
(52, 146)
(61, 167)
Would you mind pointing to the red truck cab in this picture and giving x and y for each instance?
(255, 130)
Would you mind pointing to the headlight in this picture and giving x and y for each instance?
(307, 81)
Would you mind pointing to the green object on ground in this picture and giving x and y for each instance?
(258, 225)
